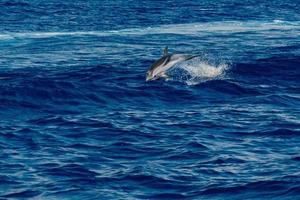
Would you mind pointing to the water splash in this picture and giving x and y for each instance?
(199, 70)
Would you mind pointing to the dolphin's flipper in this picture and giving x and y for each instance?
(166, 51)
(164, 75)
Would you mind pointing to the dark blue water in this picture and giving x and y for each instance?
(78, 120)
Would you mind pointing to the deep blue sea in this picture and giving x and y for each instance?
(79, 121)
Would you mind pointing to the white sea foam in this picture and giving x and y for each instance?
(181, 29)
(5, 37)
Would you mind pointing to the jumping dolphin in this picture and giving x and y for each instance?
(158, 69)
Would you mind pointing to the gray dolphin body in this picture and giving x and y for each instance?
(167, 61)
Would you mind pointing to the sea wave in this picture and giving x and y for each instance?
(79, 121)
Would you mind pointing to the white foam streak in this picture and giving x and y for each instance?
(181, 29)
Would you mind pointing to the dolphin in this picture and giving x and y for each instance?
(159, 67)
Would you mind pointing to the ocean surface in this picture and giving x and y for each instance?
(79, 121)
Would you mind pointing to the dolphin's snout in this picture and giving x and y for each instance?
(148, 76)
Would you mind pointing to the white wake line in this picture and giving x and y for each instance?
(181, 29)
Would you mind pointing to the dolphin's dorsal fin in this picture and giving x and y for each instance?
(166, 51)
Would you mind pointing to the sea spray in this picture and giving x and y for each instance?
(199, 70)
